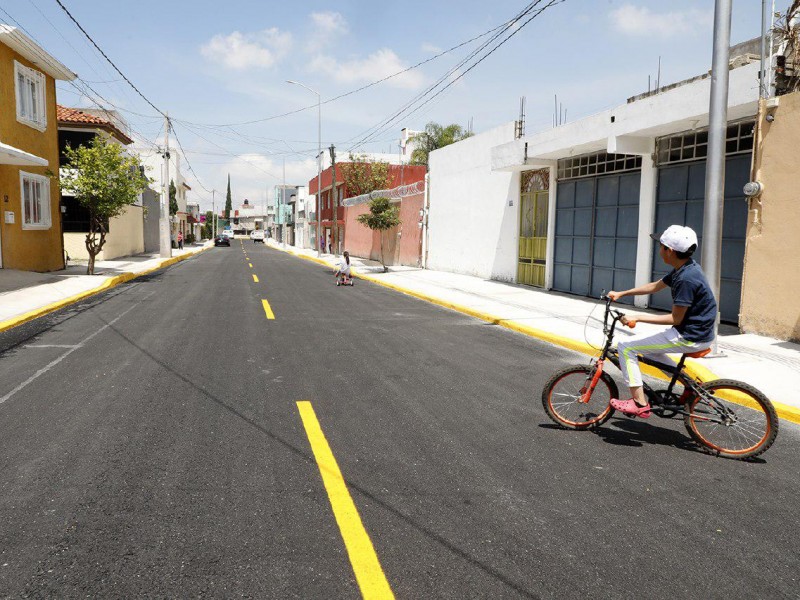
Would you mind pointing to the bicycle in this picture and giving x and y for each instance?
(725, 417)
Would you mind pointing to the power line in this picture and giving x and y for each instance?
(229, 152)
(88, 64)
(78, 25)
(83, 92)
(186, 158)
(371, 130)
(362, 88)
(381, 127)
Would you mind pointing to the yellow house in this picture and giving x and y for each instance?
(30, 223)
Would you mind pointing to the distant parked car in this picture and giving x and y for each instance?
(222, 240)
(257, 236)
(228, 233)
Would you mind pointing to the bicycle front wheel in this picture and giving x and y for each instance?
(739, 422)
(564, 398)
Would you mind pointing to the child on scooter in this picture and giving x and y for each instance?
(343, 269)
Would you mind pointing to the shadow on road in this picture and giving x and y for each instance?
(628, 432)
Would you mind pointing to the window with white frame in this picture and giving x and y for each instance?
(35, 194)
(31, 108)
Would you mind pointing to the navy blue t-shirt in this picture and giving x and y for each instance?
(690, 288)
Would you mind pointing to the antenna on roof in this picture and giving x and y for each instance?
(519, 129)
(658, 77)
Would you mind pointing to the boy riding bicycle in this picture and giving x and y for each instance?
(693, 316)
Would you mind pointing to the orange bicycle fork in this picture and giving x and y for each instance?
(587, 391)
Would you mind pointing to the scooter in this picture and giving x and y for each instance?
(343, 279)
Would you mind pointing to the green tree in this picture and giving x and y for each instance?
(362, 175)
(228, 201)
(382, 216)
(105, 181)
(173, 200)
(208, 227)
(434, 137)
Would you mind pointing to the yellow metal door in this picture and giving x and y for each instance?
(533, 231)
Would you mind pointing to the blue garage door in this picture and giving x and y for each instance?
(597, 223)
(680, 199)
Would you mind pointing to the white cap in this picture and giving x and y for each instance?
(677, 237)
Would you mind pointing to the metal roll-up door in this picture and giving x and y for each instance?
(680, 200)
(597, 224)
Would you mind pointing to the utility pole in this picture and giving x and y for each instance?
(335, 204)
(283, 205)
(213, 216)
(715, 163)
(165, 244)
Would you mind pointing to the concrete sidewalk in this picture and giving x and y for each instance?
(26, 295)
(771, 365)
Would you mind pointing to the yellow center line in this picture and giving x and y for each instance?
(255, 278)
(364, 560)
(268, 309)
(251, 265)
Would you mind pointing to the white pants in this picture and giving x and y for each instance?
(656, 347)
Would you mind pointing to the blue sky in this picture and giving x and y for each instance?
(211, 63)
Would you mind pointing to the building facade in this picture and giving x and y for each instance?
(571, 208)
(399, 174)
(30, 226)
(126, 231)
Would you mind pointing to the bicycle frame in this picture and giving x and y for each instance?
(691, 387)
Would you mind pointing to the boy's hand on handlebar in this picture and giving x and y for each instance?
(629, 321)
(614, 296)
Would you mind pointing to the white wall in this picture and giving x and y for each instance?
(672, 111)
(472, 229)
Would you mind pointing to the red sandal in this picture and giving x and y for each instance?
(630, 408)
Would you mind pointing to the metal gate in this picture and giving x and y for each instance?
(532, 256)
(597, 225)
(680, 199)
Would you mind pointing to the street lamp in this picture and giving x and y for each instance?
(319, 235)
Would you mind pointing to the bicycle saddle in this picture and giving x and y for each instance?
(699, 354)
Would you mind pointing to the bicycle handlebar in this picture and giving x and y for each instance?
(619, 316)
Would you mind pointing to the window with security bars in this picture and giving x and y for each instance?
(694, 145)
(35, 192)
(30, 91)
(599, 163)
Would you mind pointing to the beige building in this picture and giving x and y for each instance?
(771, 286)
(126, 231)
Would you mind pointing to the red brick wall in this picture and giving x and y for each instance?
(398, 250)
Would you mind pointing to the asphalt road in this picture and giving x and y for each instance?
(151, 444)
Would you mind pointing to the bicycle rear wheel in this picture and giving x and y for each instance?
(564, 402)
(739, 423)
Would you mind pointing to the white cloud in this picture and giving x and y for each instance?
(241, 51)
(327, 28)
(641, 21)
(329, 22)
(376, 66)
(433, 49)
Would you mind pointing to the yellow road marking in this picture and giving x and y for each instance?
(255, 278)
(251, 265)
(364, 560)
(268, 309)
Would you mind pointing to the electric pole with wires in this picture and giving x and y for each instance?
(334, 203)
(165, 245)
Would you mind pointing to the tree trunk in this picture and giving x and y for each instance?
(93, 246)
(383, 262)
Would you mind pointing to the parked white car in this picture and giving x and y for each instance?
(228, 233)
(257, 235)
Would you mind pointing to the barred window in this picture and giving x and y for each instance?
(35, 192)
(30, 91)
(599, 163)
(693, 145)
